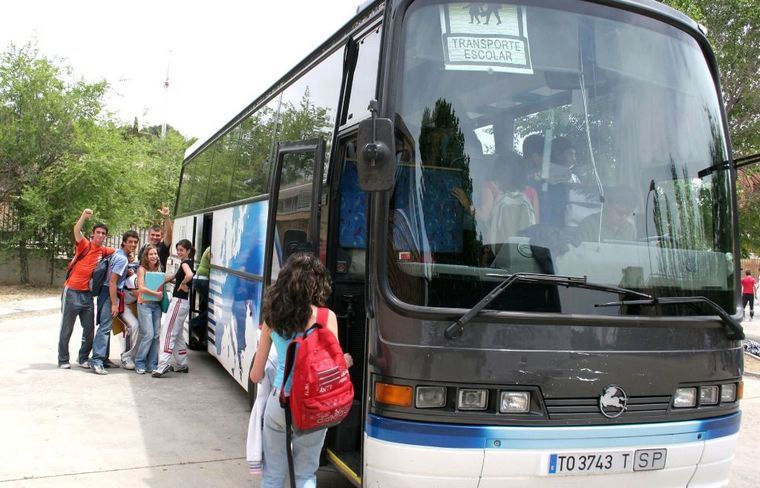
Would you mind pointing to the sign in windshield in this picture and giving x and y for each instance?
(485, 37)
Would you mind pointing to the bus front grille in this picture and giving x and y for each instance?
(584, 408)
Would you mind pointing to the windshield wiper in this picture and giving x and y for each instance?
(723, 165)
(455, 330)
(734, 329)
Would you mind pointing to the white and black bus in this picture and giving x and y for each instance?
(532, 236)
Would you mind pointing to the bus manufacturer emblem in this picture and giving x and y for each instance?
(613, 401)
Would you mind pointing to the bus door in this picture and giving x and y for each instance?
(198, 329)
(293, 223)
(346, 260)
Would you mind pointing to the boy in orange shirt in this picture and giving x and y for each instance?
(77, 300)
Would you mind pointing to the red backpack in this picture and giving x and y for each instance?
(321, 392)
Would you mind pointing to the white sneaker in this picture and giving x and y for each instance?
(98, 369)
(64, 366)
(127, 363)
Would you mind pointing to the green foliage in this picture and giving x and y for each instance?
(60, 154)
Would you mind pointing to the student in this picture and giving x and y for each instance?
(129, 317)
(76, 300)
(533, 156)
(160, 236)
(749, 289)
(108, 300)
(612, 223)
(172, 341)
(148, 313)
(290, 307)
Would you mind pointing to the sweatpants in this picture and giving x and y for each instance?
(75, 304)
(172, 340)
(133, 335)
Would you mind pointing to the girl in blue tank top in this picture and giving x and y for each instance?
(290, 307)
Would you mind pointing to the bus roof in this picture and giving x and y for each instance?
(369, 10)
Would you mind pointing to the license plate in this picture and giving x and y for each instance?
(607, 462)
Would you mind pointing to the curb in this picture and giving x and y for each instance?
(752, 374)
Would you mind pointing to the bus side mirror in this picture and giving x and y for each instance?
(376, 154)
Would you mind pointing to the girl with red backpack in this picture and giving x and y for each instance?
(292, 305)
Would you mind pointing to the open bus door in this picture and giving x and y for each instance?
(293, 223)
(293, 220)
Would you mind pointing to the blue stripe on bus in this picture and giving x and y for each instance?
(479, 437)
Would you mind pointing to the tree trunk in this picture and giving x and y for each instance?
(23, 263)
(52, 266)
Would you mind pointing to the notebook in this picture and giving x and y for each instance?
(153, 280)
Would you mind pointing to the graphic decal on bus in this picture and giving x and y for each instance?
(238, 244)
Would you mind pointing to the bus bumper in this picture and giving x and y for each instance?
(413, 454)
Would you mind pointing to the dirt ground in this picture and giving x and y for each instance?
(12, 293)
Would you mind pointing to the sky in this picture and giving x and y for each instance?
(219, 54)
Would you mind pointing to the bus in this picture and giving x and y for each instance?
(530, 217)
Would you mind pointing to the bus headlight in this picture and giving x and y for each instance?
(728, 393)
(430, 397)
(472, 399)
(514, 402)
(708, 395)
(685, 397)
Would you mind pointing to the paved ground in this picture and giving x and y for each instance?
(66, 428)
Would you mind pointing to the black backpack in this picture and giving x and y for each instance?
(99, 275)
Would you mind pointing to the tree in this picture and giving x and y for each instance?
(59, 154)
(42, 113)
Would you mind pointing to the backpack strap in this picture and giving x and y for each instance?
(76, 259)
(322, 316)
(290, 357)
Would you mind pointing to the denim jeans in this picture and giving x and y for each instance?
(306, 450)
(75, 304)
(149, 315)
(100, 345)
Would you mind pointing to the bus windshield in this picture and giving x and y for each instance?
(557, 141)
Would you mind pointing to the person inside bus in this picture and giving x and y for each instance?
(533, 155)
(562, 162)
(560, 178)
(506, 178)
(290, 307)
(515, 207)
(612, 223)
